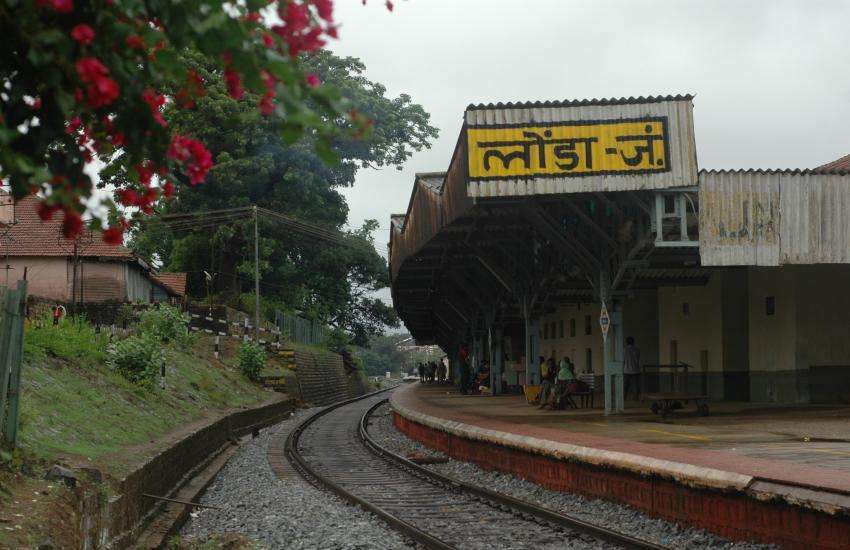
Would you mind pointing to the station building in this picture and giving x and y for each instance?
(554, 219)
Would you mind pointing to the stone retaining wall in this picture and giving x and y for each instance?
(322, 377)
(115, 521)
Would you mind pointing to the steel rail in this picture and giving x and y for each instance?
(498, 501)
(545, 514)
(291, 448)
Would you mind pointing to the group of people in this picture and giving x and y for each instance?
(475, 380)
(558, 381)
(432, 371)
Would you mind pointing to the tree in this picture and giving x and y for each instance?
(254, 165)
(100, 79)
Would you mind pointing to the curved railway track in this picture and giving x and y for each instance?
(333, 450)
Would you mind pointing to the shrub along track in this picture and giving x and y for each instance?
(333, 449)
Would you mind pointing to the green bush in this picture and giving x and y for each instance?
(251, 359)
(164, 323)
(137, 358)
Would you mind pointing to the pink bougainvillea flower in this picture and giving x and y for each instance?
(191, 90)
(325, 8)
(145, 171)
(128, 197)
(313, 80)
(72, 224)
(114, 236)
(234, 84)
(155, 101)
(194, 157)
(61, 6)
(83, 34)
(266, 103)
(46, 211)
(101, 89)
(389, 5)
(167, 189)
(135, 42)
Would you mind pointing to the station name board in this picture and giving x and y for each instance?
(569, 149)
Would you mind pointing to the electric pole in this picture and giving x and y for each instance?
(256, 277)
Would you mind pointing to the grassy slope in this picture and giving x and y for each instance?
(75, 410)
(74, 406)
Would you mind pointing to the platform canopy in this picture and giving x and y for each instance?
(587, 201)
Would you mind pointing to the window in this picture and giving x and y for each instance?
(572, 328)
(674, 352)
(561, 328)
(545, 331)
(588, 360)
(770, 305)
(588, 325)
(686, 309)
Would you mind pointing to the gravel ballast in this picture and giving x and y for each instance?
(620, 517)
(282, 513)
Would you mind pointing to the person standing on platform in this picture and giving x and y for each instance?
(631, 369)
(547, 375)
(464, 375)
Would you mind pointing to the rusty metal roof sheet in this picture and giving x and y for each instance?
(580, 102)
(433, 180)
(823, 170)
(774, 217)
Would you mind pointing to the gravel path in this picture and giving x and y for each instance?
(283, 513)
(617, 516)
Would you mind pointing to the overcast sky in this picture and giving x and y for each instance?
(771, 79)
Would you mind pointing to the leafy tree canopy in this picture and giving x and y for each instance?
(253, 165)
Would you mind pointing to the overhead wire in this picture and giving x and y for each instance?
(191, 221)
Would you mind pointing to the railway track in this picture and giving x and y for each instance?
(333, 450)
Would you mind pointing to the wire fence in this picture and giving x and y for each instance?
(11, 354)
(299, 330)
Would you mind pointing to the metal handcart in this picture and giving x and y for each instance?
(665, 402)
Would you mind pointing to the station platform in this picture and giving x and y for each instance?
(773, 474)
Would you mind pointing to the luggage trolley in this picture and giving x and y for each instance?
(665, 402)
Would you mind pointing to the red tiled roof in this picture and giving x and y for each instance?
(840, 164)
(173, 281)
(31, 236)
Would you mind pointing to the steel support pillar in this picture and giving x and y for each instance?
(496, 363)
(612, 348)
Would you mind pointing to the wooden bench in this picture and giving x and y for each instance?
(590, 380)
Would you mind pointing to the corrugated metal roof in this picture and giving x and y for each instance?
(433, 180)
(739, 217)
(779, 171)
(579, 102)
(815, 223)
(774, 217)
(678, 170)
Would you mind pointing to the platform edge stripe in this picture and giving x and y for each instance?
(697, 476)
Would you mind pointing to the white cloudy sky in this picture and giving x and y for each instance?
(771, 79)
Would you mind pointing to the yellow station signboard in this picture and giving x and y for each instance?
(568, 149)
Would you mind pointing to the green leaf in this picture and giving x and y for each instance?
(169, 62)
(290, 133)
(326, 153)
(48, 37)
